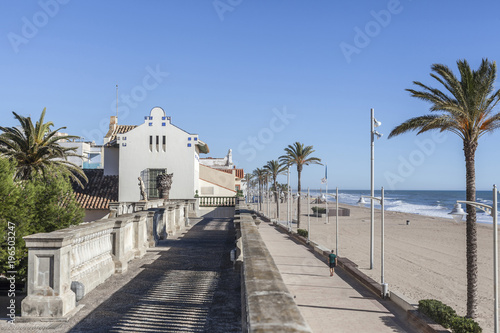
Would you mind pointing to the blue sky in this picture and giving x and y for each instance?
(255, 76)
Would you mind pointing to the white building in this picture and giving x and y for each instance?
(89, 154)
(147, 150)
(219, 176)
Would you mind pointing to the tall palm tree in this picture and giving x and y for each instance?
(36, 151)
(261, 175)
(274, 169)
(299, 155)
(467, 110)
(248, 180)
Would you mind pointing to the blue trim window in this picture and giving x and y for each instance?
(163, 124)
(189, 139)
(189, 145)
(124, 144)
(163, 118)
(195, 139)
(150, 124)
(124, 138)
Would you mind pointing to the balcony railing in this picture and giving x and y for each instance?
(217, 201)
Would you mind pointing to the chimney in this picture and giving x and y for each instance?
(113, 122)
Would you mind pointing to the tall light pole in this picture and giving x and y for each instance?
(336, 220)
(374, 123)
(288, 198)
(361, 202)
(308, 216)
(458, 213)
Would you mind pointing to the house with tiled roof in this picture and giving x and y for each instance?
(97, 194)
(148, 150)
(213, 183)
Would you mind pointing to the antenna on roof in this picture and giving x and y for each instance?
(117, 102)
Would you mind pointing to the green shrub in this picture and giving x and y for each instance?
(302, 232)
(439, 312)
(318, 210)
(465, 325)
(447, 317)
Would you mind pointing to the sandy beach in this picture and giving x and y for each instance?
(425, 259)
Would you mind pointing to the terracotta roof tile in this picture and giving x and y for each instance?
(120, 129)
(99, 192)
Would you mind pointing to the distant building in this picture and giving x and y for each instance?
(89, 154)
(219, 176)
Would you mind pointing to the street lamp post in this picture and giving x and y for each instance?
(308, 216)
(458, 213)
(374, 123)
(336, 220)
(361, 202)
(288, 199)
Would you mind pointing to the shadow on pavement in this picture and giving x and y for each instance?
(189, 287)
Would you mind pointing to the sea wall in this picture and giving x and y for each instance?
(267, 305)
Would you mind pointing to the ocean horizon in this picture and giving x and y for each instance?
(436, 203)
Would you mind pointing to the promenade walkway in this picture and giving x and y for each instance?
(329, 304)
(185, 284)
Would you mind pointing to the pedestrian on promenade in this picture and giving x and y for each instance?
(332, 261)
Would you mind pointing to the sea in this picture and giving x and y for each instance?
(428, 203)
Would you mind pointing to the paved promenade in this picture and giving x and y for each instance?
(329, 304)
(185, 284)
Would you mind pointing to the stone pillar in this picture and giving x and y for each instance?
(186, 213)
(162, 231)
(177, 216)
(49, 276)
(140, 234)
(171, 220)
(120, 257)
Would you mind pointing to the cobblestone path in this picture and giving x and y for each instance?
(190, 287)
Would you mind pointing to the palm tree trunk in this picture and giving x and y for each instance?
(260, 194)
(299, 171)
(470, 151)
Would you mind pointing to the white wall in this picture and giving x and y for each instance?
(136, 156)
(215, 190)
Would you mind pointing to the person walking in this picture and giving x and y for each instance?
(332, 261)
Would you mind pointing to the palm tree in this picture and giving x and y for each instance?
(36, 151)
(467, 110)
(299, 155)
(261, 175)
(274, 169)
(248, 180)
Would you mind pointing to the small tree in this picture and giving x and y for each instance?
(41, 204)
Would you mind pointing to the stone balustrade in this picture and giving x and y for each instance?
(217, 201)
(91, 252)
